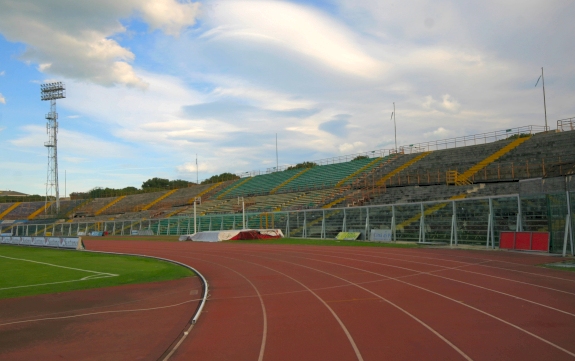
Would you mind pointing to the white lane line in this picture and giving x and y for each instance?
(99, 313)
(107, 306)
(491, 260)
(55, 283)
(431, 273)
(341, 324)
(460, 268)
(265, 319)
(440, 336)
(461, 303)
(55, 265)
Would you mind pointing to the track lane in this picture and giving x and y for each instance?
(306, 343)
(230, 334)
(545, 296)
(345, 304)
(377, 338)
(478, 268)
(475, 319)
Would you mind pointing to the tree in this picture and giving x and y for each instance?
(359, 157)
(302, 165)
(221, 178)
(156, 183)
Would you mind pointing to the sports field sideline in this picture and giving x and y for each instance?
(293, 301)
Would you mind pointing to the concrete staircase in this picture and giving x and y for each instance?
(245, 180)
(359, 171)
(159, 199)
(464, 178)
(273, 191)
(10, 209)
(99, 211)
(40, 210)
(399, 169)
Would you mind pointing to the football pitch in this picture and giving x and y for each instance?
(26, 271)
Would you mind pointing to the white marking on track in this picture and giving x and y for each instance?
(340, 322)
(265, 319)
(440, 336)
(490, 260)
(431, 273)
(461, 303)
(98, 313)
(459, 268)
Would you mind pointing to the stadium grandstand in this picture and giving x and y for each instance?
(328, 196)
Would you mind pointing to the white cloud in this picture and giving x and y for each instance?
(2, 99)
(300, 29)
(266, 99)
(439, 133)
(190, 167)
(170, 16)
(2, 73)
(447, 104)
(73, 39)
(355, 147)
(72, 143)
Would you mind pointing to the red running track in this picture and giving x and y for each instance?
(274, 302)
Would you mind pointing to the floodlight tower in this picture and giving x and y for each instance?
(51, 92)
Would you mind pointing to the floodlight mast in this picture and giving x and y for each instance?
(51, 92)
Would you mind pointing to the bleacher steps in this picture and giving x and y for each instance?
(463, 178)
(155, 201)
(10, 209)
(73, 210)
(429, 211)
(205, 191)
(99, 211)
(40, 210)
(234, 187)
(287, 181)
(333, 203)
(359, 171)
(401, 168)
(285, 204)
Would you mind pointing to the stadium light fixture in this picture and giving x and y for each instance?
(51, 92)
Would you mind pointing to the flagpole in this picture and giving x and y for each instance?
(394, 127)
(544, 102)
(277, 162)
(197, 182)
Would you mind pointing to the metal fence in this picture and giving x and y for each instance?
(565, 125)
(474, 221)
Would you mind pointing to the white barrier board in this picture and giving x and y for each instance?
(55, 242)
(381, 235)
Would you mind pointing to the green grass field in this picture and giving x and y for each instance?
(568, 266)
(26, 271)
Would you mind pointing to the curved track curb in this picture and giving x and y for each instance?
(176, 344)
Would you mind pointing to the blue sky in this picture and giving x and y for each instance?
(150, 84)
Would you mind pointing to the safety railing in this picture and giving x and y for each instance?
(564, 125)
(468, 140)
(472, 221)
